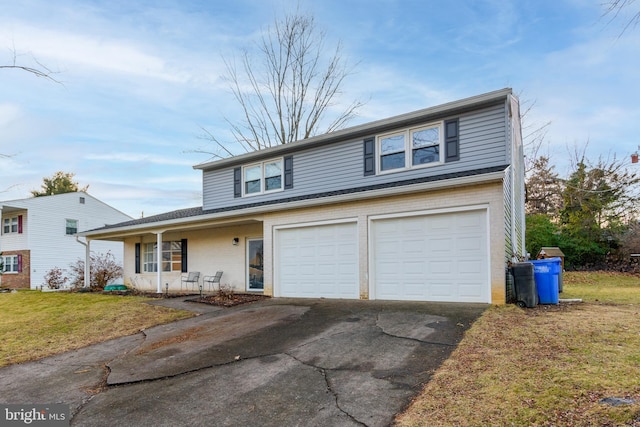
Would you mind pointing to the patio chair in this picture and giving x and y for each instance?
(193, 277)
(211, 280)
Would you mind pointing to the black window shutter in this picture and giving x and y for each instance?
(288, 172)
(137, 258)
(237, 182)
(184, 255)
(369, 156)
(451, 140)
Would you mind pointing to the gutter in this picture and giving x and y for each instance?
(245, 214)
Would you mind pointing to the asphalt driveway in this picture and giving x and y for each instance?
(280, 362)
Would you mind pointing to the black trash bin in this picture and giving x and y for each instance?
(525, 284)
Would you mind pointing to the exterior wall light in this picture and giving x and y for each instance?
(235, 241)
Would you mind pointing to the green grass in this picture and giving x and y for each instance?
(37, 324)
(605, 287)
(548, 366)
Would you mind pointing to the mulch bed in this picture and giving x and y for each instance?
(226, 300)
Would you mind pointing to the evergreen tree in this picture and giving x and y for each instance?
(59, 183)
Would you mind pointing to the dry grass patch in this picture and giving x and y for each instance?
(548, 366)
(38, 324)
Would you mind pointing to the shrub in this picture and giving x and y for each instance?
(226, 292)
(103, 269)
(55, 278)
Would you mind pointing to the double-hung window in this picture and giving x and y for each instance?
(10, 225)
(171, 257)
(410, 148)
(10, 264)
(71, 227)
(262, 177)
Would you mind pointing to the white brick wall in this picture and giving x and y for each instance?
(487, 195)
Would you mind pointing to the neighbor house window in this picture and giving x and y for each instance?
(10, 225)
(10, 264)
(410, 148)
(262, 177)
(171, 257)
(72, 227)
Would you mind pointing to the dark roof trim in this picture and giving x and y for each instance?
(198, 211)
(368, 129)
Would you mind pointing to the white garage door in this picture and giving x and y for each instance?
(318, 261)
(439, 257)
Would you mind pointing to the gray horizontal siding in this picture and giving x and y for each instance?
(340, 166)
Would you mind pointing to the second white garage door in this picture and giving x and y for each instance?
(319, 261)
(439, 257)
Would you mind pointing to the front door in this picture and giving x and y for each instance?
(255, 265)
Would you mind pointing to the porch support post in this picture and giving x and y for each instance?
(87, 264)
(87, 261)
(159, 262)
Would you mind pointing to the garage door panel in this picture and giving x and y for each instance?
(471, 267)
(413, 268)
(471, 243)
(431, 257)
(443, 244)
(441, 290)
(320, 261)
(440, 267)
(413, 246)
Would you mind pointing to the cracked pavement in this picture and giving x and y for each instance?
(279, 362)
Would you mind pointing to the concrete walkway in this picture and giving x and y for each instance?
(279, 362)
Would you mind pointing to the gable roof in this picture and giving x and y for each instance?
(32, 202)
(367, 129)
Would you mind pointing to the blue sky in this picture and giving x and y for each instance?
(140, 80)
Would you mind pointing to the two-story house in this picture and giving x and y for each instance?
(424, 206)
(39, 233)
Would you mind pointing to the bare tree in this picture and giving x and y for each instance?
(286, 90)
(40, 70)
(534, 135)
(617, 9)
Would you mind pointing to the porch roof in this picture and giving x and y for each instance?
(197, 217)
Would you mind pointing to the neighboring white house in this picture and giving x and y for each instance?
(427, 206)
(39, 233)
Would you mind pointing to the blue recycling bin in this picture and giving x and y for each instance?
(546, 273)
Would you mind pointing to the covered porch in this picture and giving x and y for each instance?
(158, 255)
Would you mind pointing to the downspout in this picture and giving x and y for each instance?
(87, 261)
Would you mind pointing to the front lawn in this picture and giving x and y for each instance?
(548, 366)
(37, 324)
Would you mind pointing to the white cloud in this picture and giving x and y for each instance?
(140, 157)
(9, 113)
(101, 54)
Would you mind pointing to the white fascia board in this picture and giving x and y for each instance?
(252, 214)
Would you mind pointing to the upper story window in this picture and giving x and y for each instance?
(262, 177)
(71, 227)
(10, 225)
(410, 148)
